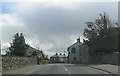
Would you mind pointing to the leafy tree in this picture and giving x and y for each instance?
(18, 46)
(46, 57)
(35, 53)
(43, 56)
(8, 53)
(102, 35)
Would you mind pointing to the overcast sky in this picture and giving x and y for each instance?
(51, 26)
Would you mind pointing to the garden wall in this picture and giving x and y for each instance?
(14, 62)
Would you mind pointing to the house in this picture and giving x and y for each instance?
(31, 49)
(73, 52)
(58, 58)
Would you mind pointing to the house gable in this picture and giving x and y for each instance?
(73, 52)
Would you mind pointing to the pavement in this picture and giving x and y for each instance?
(113, 69)
(59, 69)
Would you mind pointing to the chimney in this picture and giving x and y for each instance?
(60, 54)
(78, 39)
(56, 53)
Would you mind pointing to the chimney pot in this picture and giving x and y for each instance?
(78, 39)
(60, 54)
(56, 53)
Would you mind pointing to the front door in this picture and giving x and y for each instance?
(74, 59)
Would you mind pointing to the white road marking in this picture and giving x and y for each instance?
(106, 72)
(65, 69)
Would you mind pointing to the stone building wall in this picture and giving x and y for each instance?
(84, 54)
(14, 62)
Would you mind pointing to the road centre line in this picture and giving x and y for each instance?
(65, 69)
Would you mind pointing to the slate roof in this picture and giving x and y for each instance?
(31, 49)
(80, 43)
(56, 55)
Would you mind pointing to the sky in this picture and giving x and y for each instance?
(51, 26)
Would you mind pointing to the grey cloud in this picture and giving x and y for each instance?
(56, 25)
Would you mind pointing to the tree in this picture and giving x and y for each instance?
(102, 35)
(35, 53)
(18, 46)
(43, 56)
(46, 57)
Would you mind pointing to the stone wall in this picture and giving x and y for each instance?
(104, 59)
(14, 62)
(95, 59)
(110, 58)
(88, 57)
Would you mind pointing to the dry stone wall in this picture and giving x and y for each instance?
(14, 62)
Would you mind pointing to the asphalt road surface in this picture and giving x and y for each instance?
(67, 69)
(56, 69)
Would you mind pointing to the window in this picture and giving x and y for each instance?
(73, 50)
(74, 59)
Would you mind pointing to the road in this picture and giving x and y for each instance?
(68, 69)
(56, 69)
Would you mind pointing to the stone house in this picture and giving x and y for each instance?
(82, 54)
(58, 58)
(74, 51)
(31, 49)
